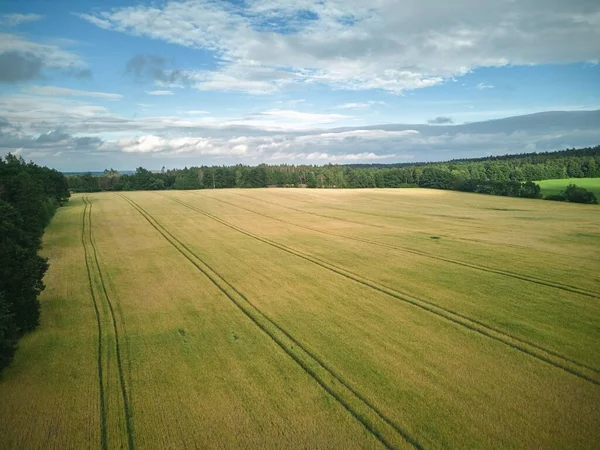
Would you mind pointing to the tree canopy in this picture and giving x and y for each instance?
(29, 196)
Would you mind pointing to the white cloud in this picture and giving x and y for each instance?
(51, 55)
(237, 147)
(280, 120)
(360, 105)
(358, 134)
(195, 112)
(482, 86)
(159, 92)
(84, 131)
(174, 146)
(12, 20)
(266, 45)
(59, 91)
(290, 114)
(290, 103)
(322, 157)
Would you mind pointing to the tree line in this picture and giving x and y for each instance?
(29, 196)
(498, 175)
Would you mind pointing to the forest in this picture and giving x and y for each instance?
(509, 175)
(29, 196)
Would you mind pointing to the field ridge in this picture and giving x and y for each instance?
(383, 428)
(552, 358)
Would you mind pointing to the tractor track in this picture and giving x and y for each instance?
(531, 279)
(125, 398)
(573, 367)
(375, 421)
(103, 432)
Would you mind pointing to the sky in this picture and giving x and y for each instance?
(88, 85)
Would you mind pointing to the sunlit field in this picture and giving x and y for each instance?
(555, 187)
(301, 318)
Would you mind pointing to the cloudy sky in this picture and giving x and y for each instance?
(86, 85)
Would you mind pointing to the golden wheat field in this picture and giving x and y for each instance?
(313, 319)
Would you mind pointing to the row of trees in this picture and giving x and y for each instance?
(29, 196)
(504, 175)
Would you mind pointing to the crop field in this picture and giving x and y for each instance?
(297, 318)
(555, 187)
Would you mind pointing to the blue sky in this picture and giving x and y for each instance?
(90, 84)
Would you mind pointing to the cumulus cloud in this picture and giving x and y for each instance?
(22, 60)
(440, 120)
(266, 45)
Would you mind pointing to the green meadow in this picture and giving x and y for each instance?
(555, 187)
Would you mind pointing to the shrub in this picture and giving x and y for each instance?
(576, 194)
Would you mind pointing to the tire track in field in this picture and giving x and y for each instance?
(428, 302)
(126, 406)
(103, 433)
(555, 359)
(529, 278)
(376, 422)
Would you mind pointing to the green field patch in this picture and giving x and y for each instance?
(555, 187)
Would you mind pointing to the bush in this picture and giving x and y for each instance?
(576, 194)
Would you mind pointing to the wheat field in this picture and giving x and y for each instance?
(297, 318)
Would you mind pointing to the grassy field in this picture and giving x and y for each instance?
(554, 187)
(274, 318)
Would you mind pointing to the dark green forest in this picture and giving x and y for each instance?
(509, 175)
(29, 196)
